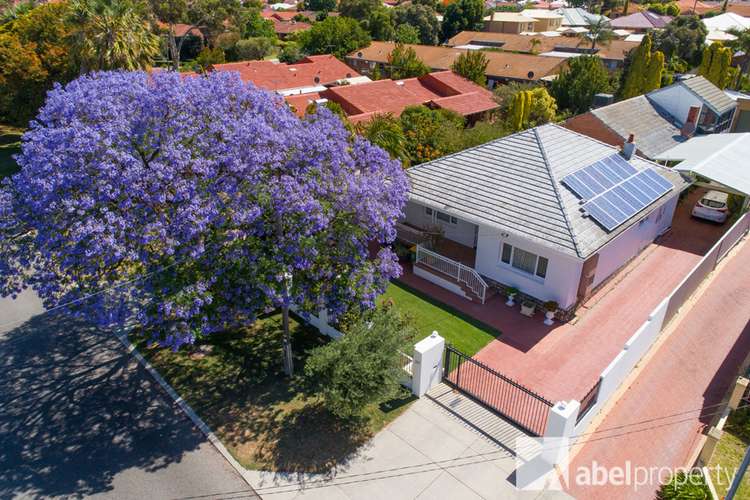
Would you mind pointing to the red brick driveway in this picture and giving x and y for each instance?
(658, 420)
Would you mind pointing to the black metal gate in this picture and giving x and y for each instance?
(520, 405)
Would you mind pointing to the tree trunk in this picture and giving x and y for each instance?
(173, 49)
(287, 338)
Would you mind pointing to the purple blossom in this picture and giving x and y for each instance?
(205, 191)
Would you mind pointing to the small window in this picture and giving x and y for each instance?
(541, 267)
(442, 216)
(507, 250)
(523, 260)
(428, 211)
(454, 220)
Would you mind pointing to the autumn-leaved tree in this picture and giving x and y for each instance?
(643, 70)
(472, 65)
(207, 197)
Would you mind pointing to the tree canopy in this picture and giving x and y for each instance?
(472, 65)
(683, 38)
(130, 177)
(406, 33)
(334, 35)
(403, 62)
(716, 65)
(643, 70)
(420, 17)
(358, 9)
(462, 15)
(575, 87)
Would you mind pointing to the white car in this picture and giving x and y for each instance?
(713, 206)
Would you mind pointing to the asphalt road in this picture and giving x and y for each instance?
(79, 417)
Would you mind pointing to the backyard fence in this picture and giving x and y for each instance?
(643, 339)
(507, 397)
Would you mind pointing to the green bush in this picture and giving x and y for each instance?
(684, 486)
(363, 367)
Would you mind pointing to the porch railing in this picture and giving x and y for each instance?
(410, 234)
(459, 272)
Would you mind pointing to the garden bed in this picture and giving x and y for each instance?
(464, 333)
(235, 382)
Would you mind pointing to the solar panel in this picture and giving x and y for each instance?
(618, 204)
(598, 177)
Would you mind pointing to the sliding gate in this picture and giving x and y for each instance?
(507, 397)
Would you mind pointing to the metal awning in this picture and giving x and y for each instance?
(722, 158)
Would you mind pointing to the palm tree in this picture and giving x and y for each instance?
(534, 44)
(599, 31)
(111, 34)
(385, 131)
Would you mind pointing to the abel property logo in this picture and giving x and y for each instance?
(534, 471)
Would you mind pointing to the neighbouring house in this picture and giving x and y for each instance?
(508, 22)
(641, 22)
(309, 75)
(741, 122)
(660, 119)
(503, 66)
(654, 129)
(577, 17)
(716, 107)
(439, 90)
(688, 7)
(726, 22)
(546, 20)
(284, 23)
(612, 54)
(189, 38)
(549, 211)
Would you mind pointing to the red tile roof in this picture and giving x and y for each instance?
(286, 27)
(442, 89)
(310, 71)
(300, 102)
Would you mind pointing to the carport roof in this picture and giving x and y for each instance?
(719, 157)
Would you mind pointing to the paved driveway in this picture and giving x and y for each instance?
(80, 418)
(658, 421)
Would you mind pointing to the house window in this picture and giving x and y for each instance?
(428, 211)
(442, 216)
(522, 260)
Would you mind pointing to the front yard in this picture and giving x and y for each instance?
(234, 381)
(464, 333)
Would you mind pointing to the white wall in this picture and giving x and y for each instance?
(676, 100)
(563, 272)
(462, 232)
(627, 245)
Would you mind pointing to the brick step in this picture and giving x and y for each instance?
(468, 291)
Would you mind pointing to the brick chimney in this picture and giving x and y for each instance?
(628, 149)
(691, 122)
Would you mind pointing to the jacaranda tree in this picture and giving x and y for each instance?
(210, 194)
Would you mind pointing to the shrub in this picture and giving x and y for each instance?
(364, 367)
(684, 486)
(254, 48)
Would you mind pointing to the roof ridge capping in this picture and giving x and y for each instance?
(554, 181)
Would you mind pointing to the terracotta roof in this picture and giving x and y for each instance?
(741, 8)
(286, 27)
(182, 29)
(502, 65)
(442, 89)
(690, 6)
(309, 72)
(300, 102)
(641, 20)
(615, 49)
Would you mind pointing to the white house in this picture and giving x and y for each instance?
(516, 212)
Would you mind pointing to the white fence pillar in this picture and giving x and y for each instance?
(428, 364)
(561, 424)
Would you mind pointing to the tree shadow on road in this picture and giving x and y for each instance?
(76, 409)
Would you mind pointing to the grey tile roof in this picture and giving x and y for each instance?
(513, 184)
(709, 93)
(654, 129)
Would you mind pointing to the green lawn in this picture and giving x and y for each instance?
(729, 452)
(10, 144)
(464, 333)
(234, 381)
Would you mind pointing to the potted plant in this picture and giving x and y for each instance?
(550, 308)
(528, 308)
(511, 291)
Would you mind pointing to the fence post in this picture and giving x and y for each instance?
(561, 424)
(427, 365)
(737, 392)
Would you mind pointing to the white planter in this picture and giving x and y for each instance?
(549, 317)
(510, 302)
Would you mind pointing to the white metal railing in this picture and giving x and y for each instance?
(459, 272)
(410, 234)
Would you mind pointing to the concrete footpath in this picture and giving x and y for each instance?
(659, 419)
(443, 446)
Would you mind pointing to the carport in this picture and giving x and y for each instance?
(718, 161)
